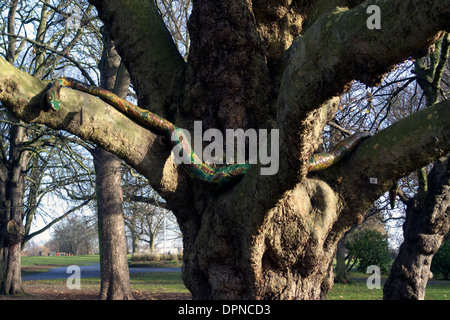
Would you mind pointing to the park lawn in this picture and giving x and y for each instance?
(171, 282)
(31, 265)
(354, 291)
(153, 281)
(156, 282)
(358, 289)
(156, 264)
(61, 261)
(168, 282)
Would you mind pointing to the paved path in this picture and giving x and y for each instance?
(92, 270)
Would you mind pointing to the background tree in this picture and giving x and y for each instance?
(441, 261)
(145, 212)
(26, 33)
(415, 85)
(115, 284)
(427, 212)
(369, 247)
(344, 259)
(76, 235)
(268, 236)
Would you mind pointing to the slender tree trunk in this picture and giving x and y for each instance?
(11, 234)
(115, 278)
(151, 242)
(134, 235)
(341, 267)
(135, 242)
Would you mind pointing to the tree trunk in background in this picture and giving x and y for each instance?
(11, 224)
(12, 184)
(115, 277)
(341, 268)
(134, 235)
(427, 222)
(428, 213)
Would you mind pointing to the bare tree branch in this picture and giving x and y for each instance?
(49, 225)
(64, 53)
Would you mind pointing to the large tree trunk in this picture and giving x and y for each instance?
(115, 277)
(274, 236)
(286, 255)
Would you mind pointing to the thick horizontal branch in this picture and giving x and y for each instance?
(391, 154)
(94, 120)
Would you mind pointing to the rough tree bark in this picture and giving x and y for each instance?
(427, 222)
(12, 190)
(258, 64)
(115, 277)
(12, 231)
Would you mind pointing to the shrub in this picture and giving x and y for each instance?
(172, 256)
(146, 257)
(441, 260)
(155, 257)
(370, 247)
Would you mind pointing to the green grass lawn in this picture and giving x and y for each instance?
(172, 282)
(166, 282)
(60, 261)
(358, 289)
(32, 265)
